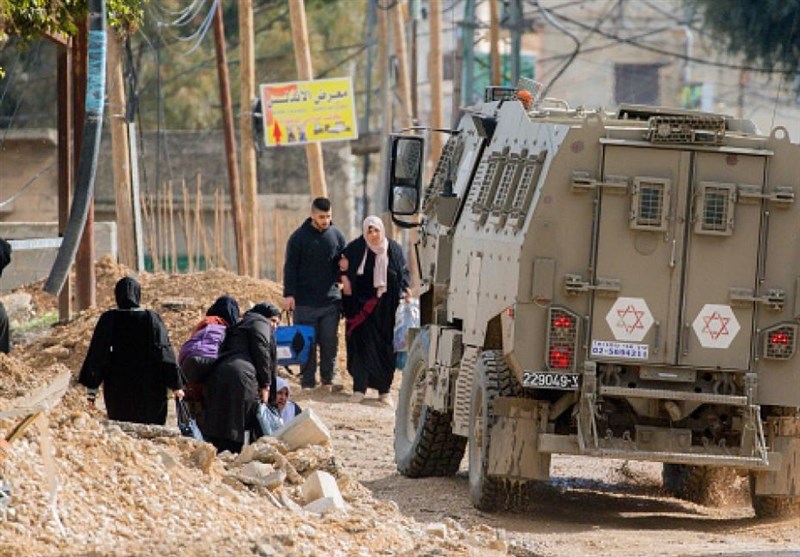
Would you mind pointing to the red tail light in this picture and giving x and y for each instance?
(779, 338)
(562, 322)
(780, 341)
(562, 339)
(560, 357)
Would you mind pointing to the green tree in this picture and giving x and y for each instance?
(30, 19)
(766, 32)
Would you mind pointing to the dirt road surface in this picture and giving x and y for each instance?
(590, 507)
(123, 496)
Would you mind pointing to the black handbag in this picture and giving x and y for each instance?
(186, 423)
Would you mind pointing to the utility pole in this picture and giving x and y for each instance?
(84, 259)
(413, 8)
(467, 57)
(302, 56)
(371, 24)
(515, 14)
(65, 166)
(91, 50)
(435, 78)
(121, 152)
(230, 139)
(494, 43)
(400, 52)
(378, 196)
(249, 174)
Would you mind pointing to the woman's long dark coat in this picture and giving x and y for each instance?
(246, 363)
(370, 347)
(131, 356)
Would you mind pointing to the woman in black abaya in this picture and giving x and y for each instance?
(131, 356)
(374, 279)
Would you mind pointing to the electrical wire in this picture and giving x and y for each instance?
(28, 184)
(783, 75)
(578, 43)
(677, 55)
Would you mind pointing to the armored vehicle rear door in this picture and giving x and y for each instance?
(669, 222)
(722, 260)
(638, 265)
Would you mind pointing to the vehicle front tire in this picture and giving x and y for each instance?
(424, 442)
(492, 378)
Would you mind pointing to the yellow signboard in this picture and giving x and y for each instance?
(300, 112)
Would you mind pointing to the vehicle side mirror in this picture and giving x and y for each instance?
(405, 173)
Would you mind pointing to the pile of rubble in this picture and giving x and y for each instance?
(126, 489)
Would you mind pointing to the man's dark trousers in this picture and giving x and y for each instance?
(325, 320)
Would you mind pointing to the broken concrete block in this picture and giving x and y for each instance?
(274, 480)
(304, 430)
(320, 485)
(289, 504)
(322, 505)
(436, 529)
(257, 470)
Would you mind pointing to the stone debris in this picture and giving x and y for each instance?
(321, 485)
(304, 430)
(128, 489)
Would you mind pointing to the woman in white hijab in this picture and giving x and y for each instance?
(286, 408)
(374, 278)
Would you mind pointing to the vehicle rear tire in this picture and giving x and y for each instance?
(424, 442)
(492, 378)
(705, 485)
(773, 506)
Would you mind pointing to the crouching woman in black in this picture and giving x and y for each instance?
(243, 377)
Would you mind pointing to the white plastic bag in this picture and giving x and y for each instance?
(407, 317)
(268, 419)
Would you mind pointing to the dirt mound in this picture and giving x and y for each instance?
(122, 494)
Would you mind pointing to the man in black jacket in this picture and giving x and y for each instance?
(310, 288)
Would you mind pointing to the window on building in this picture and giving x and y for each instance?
(636, 83)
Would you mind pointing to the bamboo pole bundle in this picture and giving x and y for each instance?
(186, 221)
(150, 232)
(260, 236)
(162, 236)
(276, 246)
(227, 224)
(199, 217)
(171, 219)
(217, 229)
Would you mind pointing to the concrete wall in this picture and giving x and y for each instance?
(28, 175)
(29, 266)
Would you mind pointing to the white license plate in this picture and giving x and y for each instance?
(550, 380)
(620, 350)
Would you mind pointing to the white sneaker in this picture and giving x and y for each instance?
(386, 400)
(356, 397)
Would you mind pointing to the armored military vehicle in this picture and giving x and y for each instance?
(618, 285)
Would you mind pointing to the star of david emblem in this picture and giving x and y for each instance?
(630, 318)
(716, 326)
(717, 329)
